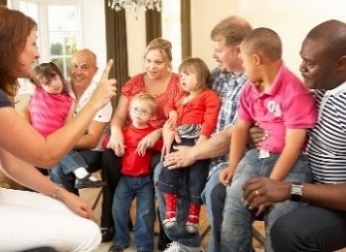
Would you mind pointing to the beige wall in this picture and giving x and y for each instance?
(22, 100)
(290, 19)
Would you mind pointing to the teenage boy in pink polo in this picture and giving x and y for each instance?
(279, 102)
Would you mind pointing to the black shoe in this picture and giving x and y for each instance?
(86, 182)
(117, 248)
(107, 234)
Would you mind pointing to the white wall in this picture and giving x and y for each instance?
(136, 39)
(94, 32)
(93, 17)
(290, 19)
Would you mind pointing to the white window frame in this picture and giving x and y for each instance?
(43, 32)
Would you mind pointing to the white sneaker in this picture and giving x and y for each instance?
(173, 247)
(169, 223)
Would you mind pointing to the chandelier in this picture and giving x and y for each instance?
(135, 5)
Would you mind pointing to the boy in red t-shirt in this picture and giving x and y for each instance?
(136, 180)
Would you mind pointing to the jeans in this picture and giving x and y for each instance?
(111, 166)
(236, 228)
(177, 233)
(141, 188)
(58, 175)
(71, 161)
(310, 228)
(214, 195)
(195, 177)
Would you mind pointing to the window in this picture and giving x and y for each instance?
(59, 31)
(171, 29)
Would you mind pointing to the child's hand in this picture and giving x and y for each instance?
(225, 176)
(147, 142)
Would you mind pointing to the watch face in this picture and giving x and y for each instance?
(296, 192)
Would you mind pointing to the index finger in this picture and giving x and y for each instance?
(106, 71)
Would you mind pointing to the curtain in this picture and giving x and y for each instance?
(153, 25)
(185, 28)
(116, 43)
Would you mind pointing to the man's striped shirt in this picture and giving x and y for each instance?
(327, 140)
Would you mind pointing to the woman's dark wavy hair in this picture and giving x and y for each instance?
(15, 28)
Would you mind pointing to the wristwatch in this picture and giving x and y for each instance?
(296, 191)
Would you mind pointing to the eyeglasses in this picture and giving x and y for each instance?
(141, 111)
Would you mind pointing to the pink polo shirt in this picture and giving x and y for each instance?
(48, 112)
(288, 104)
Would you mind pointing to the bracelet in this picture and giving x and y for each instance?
(56, 191)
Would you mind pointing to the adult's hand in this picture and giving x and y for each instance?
(261, 192)
(168, 136)
(116, 141)
(180, 158)
(76, 204)
(257, 135)
(105, 90)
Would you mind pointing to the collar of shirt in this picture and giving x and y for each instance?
(273, 88)
(88, 91)
(338, 90)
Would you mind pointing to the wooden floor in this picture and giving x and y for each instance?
(91, 194)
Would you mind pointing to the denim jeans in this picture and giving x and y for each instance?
(195, 176)
(177, 233)
(236, 229)
(58, 175)
(310, 228)
(213, 196)
(71, 161)
(141, 188)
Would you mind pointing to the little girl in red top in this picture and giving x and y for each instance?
(193, 114)
(50, 107)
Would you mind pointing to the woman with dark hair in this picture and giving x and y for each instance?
(61, 219)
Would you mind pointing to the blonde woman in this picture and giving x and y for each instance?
(157, 80)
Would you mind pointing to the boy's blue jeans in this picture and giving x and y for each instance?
(141, 188)
(236, 228)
